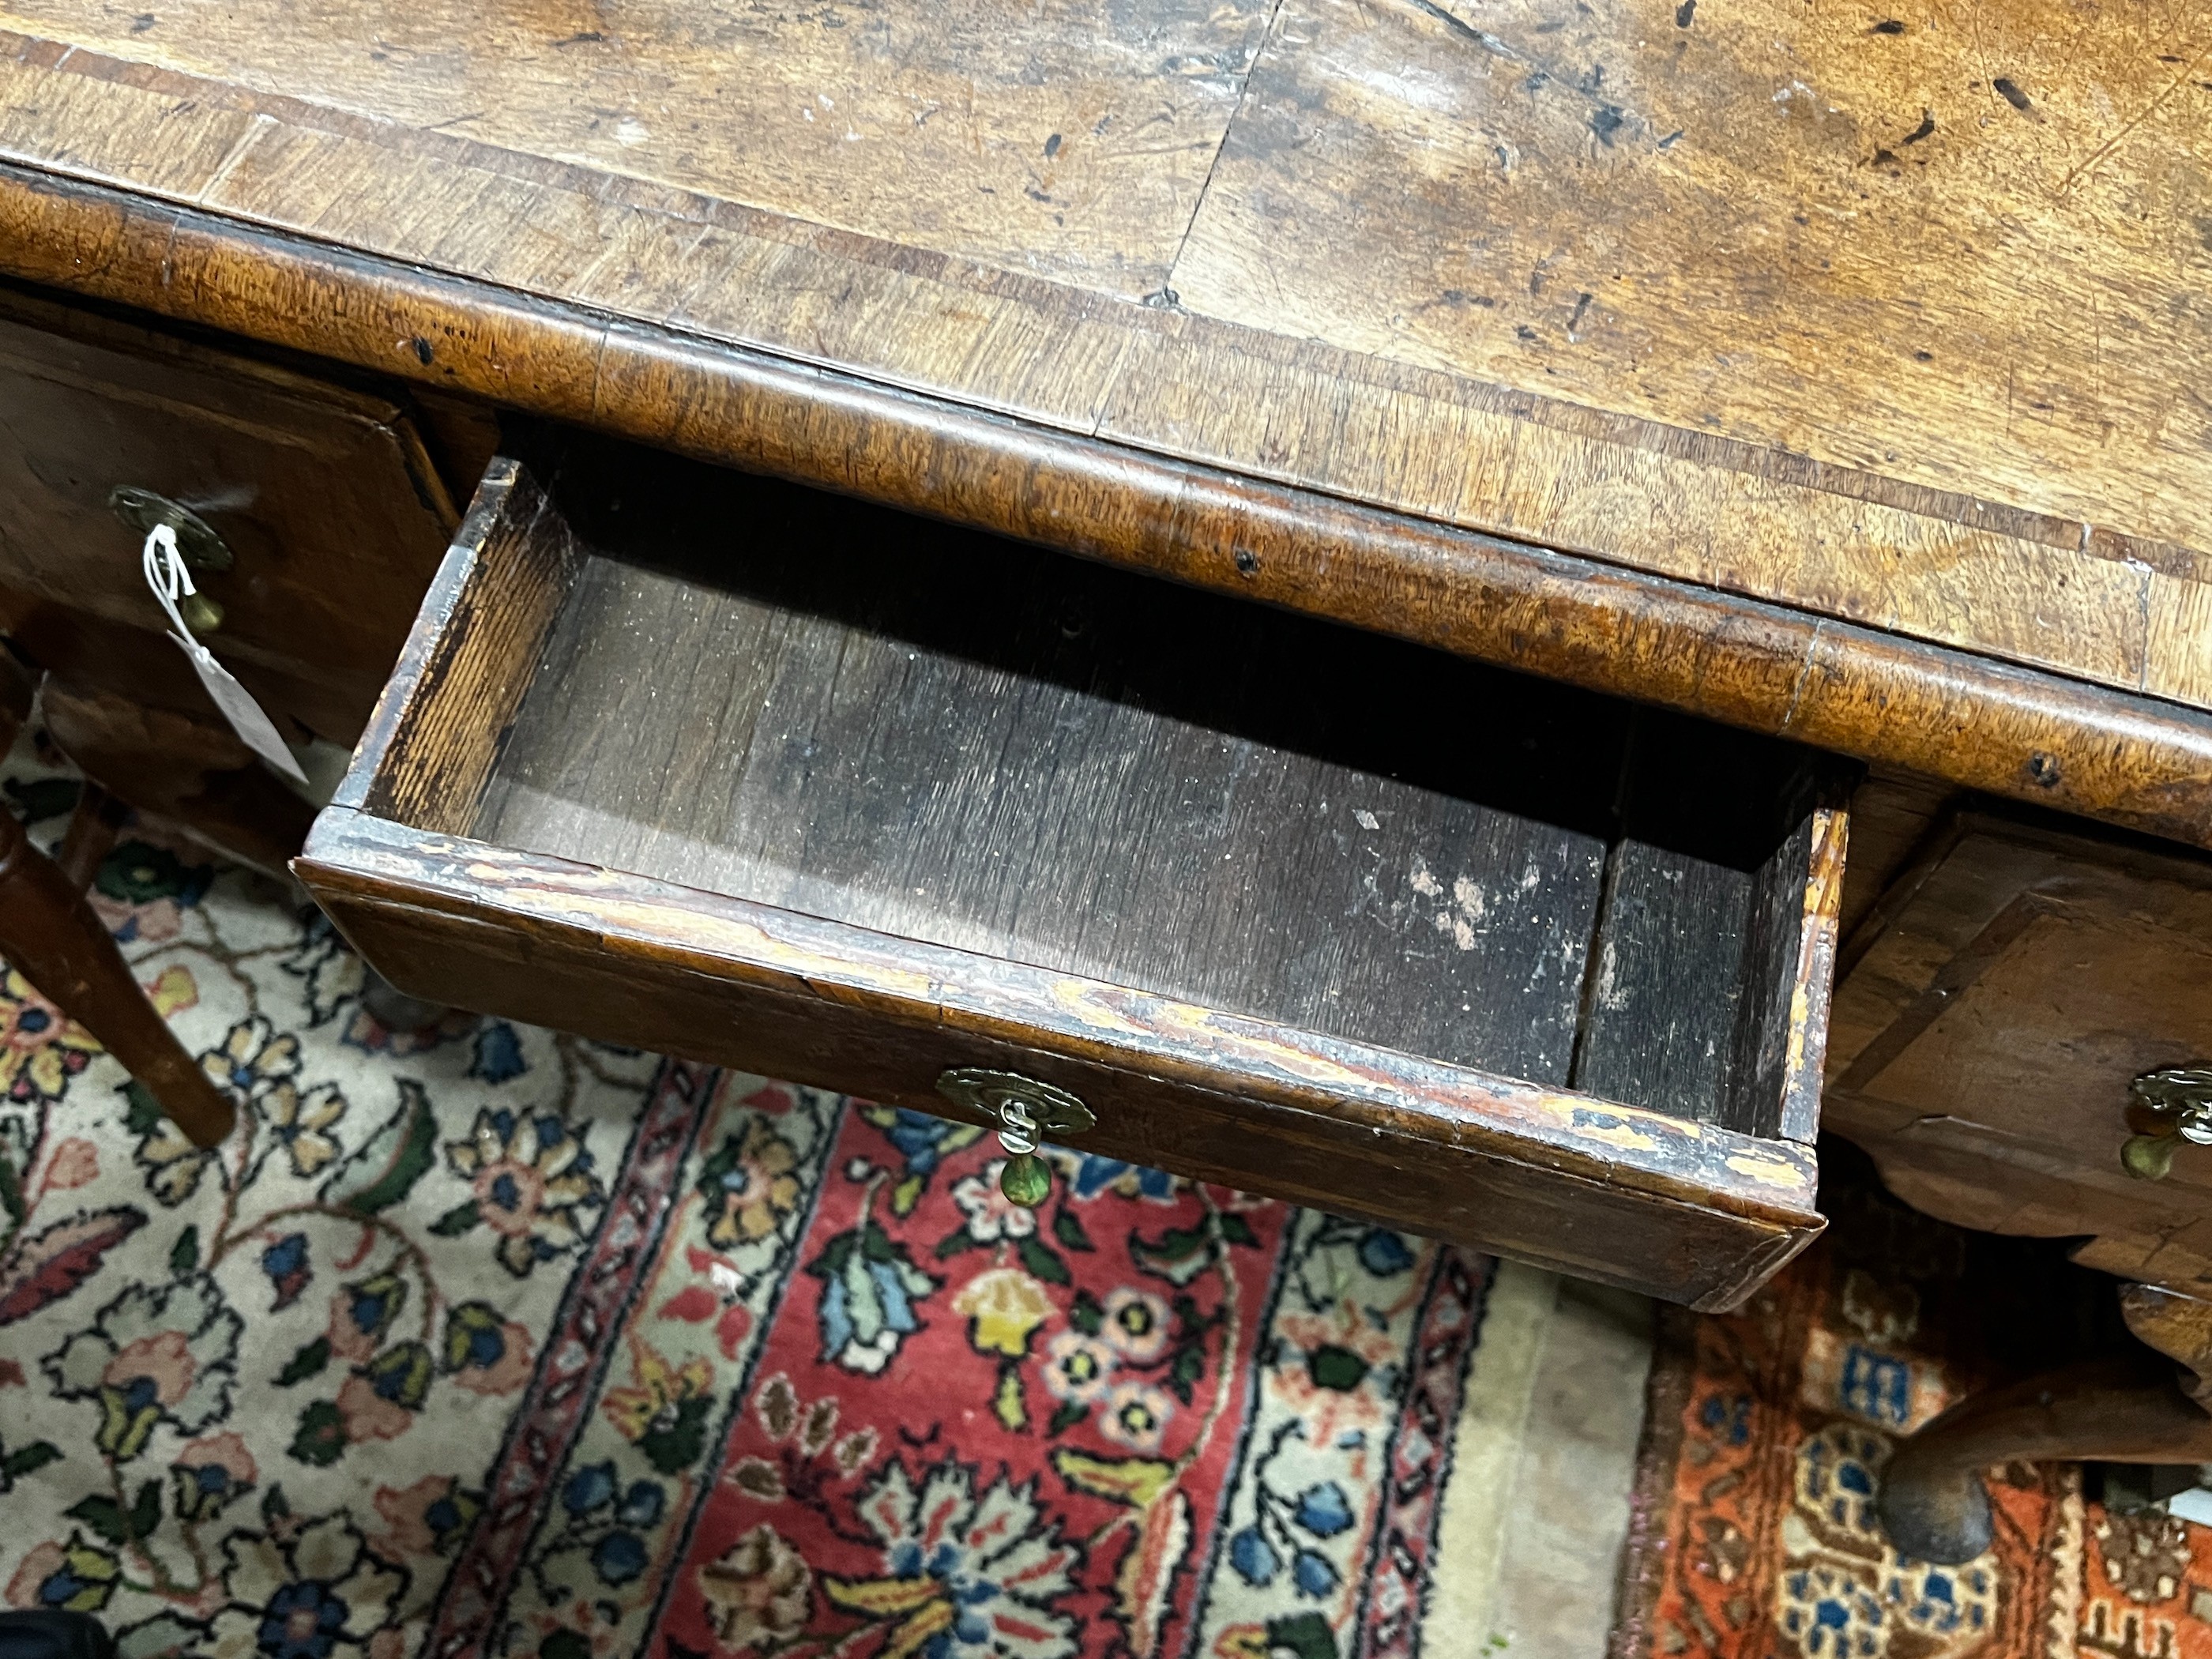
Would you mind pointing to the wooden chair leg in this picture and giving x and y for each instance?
(55, 940)
(2128, 1410)
(92, 831)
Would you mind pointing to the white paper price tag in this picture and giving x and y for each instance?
(167, 575)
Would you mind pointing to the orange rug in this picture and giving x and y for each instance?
(1755, 1535)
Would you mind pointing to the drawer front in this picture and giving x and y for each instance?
(324, 499)
(2008, 991)
(1585, 1186)
(478, 854)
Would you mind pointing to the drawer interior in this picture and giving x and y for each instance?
(763, 691)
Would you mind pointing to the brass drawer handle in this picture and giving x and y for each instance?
(1027, 1111)
(2166, 1107)
(201, 548)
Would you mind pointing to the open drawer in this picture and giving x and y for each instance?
(722, 767)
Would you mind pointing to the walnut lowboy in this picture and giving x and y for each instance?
(729, 768)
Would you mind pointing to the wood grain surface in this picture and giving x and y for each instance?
(1612, 1193)
(853, 797)
(2018, 978)
(834, 708)
(1945, 713)
(497, 594)
(1714, 842)
(1892, 240)
(2180, 1327)
(1882, 323)
(323, 494)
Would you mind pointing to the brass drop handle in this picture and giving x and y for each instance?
(2166, 1107)
(1026, 1111)
(197, 544)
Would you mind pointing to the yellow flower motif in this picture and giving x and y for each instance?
(299, 1120)
(40, 1048)
(173, 991)
(751, 1185)
(756, 1591)
(173, 1164)
(533, 1182)
(657, 1401)
(1004, 1305)
(254, 1058)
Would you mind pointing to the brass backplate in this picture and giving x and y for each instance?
(1054, 1110)
(197, 541)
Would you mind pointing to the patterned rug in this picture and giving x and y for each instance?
(1768, 1430)
(488, 1339)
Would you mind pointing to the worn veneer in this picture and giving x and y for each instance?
(323, 494)
(1975, 720)
(1754, 296)
(1996, 1006)
(728, 768)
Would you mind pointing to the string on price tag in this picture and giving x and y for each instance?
(166, 576)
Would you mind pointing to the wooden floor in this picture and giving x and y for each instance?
(1885, 311)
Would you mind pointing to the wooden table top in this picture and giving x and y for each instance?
(1894, 317)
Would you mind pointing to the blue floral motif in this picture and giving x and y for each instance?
(137, 874)
(642, 1503)
(1322, 1512)
(1254, 1557)
(286, 1263)
(475, 1340)
(589, 1488)
(1095, 1174)
(990, 1561)
(1323, 1509)
(203, 1487)
(1383, 1254)
(618, 1557)
(1313, 1573)
(303, 1621)
(82, 1579)
(370, 1306)
(869, 1288)
(1943, 1600)
(303, 1593)
(498, 1056)
(1830, 1615)
(446, 1515)
(1837, 1475)
(1299, 1523)
(921, 1139)
(1730, 1419)
(1876, 1386)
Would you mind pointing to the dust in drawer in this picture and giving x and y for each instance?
(839, 709)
